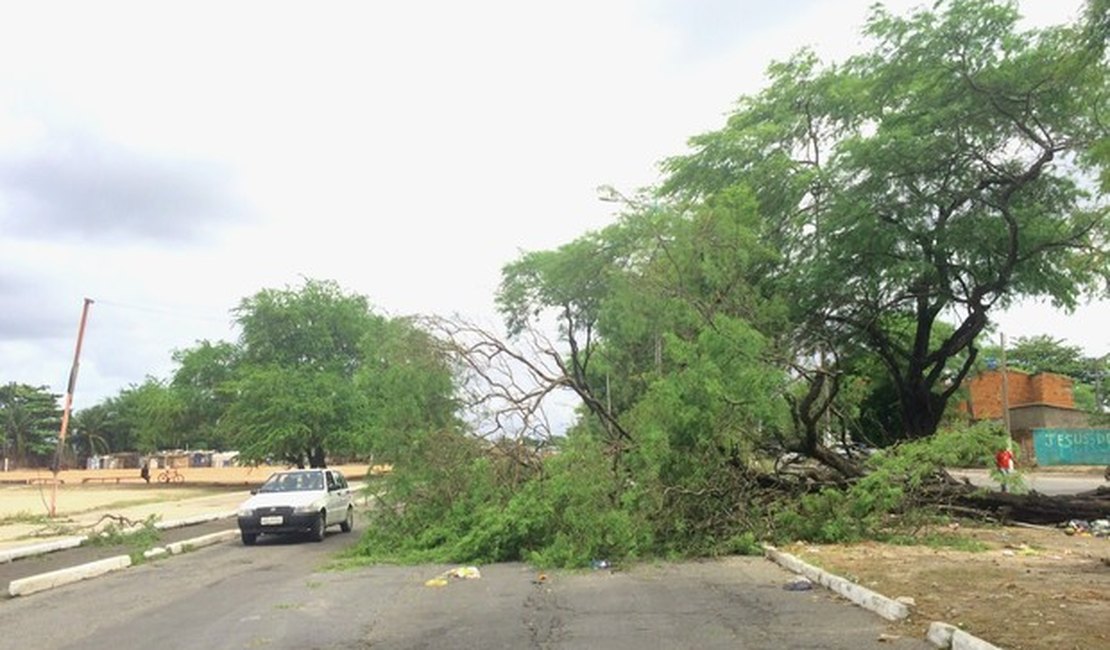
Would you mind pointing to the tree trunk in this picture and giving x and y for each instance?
(921, 411)
(1031, 508)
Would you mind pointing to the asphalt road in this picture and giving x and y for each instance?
(46, 562)
(1052, 484)
(276, 595)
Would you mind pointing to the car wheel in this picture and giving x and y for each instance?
(319, 526)
(248, 538)
(349, 522)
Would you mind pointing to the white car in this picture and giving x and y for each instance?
(298, 501)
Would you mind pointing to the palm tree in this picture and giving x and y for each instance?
(88, 433)
(19, 427)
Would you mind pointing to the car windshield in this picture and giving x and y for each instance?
(293, 482)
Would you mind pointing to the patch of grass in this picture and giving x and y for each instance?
(24, 517)
(314, 584)
(949, 541)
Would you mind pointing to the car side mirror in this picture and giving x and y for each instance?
(254, 490)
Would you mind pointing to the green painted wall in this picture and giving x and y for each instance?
(1072, 446)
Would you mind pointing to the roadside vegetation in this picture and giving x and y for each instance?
(814, 277)
(808, 284)
(134, 537)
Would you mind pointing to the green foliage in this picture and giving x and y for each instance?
(932, 172)
(582, 516)
(30, 421)
(315, 374)
(152, 413)
(457, 504)
(843, 211)
(893, 485)
(202, 382)
(107, 422)
(136, 539)
(408, 383)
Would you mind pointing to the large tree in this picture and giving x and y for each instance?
(318, 374)
(151, 415)
(299, 352)
(944, 174)
(202, 384)
(30, 420)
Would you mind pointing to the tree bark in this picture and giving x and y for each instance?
(1033, 508)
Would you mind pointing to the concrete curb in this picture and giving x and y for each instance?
(890, 609)
(42, 548)
(198, 519)
(63, 543)
(178, 548)
(44, 581)
(204, 540)
(941, 635)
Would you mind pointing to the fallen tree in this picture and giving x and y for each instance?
(1031, 508)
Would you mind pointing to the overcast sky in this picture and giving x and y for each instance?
(168, 159)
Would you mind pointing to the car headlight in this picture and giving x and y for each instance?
(306, 509)
(245, 512)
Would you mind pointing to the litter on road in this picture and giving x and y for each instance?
(459, 573)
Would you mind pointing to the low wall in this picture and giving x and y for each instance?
(1071, 446)
(192, 475)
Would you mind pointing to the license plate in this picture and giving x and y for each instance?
(271, 521)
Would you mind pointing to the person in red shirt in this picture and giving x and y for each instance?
(1004, 460)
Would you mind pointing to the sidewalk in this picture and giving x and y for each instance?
(19, 534)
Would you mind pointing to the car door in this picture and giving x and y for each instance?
(337, 502)
(344, 489)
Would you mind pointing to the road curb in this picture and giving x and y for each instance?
(888, 608)
(64, 543)
(41, 548)
(941, 635)
(52, 579)
(189, 521)
(43, 581)
(204, 540)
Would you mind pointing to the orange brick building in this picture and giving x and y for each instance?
(984, 400)
(1037, 402)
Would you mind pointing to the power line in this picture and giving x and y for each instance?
(164, 311)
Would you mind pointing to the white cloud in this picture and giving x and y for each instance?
(407, 150)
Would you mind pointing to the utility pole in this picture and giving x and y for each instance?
(1006, 397)
(68, 405)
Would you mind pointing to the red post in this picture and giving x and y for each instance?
(68, 404)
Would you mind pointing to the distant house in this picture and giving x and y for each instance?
(1044, 421)
(119, 460)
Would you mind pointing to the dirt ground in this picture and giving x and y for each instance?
(27, 493)
(1034, 588)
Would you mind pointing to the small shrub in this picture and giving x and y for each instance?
(141, 538)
